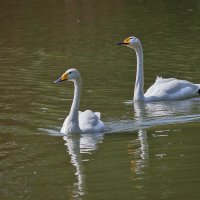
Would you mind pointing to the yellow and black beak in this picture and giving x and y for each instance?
(64, 77)
(125, 42)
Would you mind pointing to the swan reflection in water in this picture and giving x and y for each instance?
(140, 156)
(166, 112)
(77, 145)
(145, 115)
(151, 114)
(80, 144)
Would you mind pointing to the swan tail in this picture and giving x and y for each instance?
(158, 78)
(98, 114)
(199, 88)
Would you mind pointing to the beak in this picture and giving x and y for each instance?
(125, 42)
(122, 43)
(62, 78)
(58, 80)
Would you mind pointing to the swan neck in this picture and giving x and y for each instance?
(73, 115)
(139, 82)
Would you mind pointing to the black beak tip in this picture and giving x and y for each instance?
(119, 43)
(122, 43)
(57, 81)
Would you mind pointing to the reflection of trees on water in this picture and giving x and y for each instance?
(77, 145)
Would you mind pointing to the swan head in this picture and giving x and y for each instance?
(69, 75)
(131, 42)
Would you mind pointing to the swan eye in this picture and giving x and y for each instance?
(70, 72)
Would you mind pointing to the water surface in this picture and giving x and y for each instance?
(149, 151)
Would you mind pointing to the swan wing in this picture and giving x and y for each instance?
(171, 89)
(98, 114)
(198, 85)
(90, 121)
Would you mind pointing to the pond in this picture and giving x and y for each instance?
(148, 151)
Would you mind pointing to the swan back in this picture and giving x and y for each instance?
(90, 122)
(171, 89)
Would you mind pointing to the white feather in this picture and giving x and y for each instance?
(77, 121)
(170, 89)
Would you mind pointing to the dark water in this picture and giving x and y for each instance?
(149, 151)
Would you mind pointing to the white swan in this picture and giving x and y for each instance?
(77, 121)
(170, 89)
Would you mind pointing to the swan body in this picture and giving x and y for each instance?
(170, 89)
(77, 121)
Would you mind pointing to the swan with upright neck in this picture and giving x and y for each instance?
(77, 121)
(170, 89)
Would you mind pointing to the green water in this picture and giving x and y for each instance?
(149, 151)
